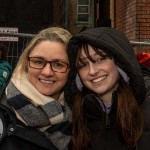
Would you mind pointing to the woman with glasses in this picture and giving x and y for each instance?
(112, 108)
(34, 113)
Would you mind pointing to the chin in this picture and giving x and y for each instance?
(44, 92)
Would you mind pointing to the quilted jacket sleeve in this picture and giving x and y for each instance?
(5, 73)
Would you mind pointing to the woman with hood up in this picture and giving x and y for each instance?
(111, 108)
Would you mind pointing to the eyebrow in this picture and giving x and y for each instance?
(84, 58)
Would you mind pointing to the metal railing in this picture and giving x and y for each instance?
(16, 47)
(32, 35)
(140, 43)
(19, 34)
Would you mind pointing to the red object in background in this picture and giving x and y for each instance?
(144, 58)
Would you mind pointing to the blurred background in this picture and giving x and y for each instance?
(21, 19)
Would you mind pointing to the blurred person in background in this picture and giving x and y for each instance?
(5, 67)
(144, 58)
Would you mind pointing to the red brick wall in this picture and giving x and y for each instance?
(132, 17)
(126, 17)
(143, 23)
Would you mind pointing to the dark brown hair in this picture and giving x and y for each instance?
(129, 115)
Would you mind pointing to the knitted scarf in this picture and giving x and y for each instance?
(50, 116)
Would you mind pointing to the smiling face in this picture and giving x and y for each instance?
(100, 76)
(45, 80)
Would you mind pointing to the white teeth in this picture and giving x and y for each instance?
(46, 81)
(99, 79)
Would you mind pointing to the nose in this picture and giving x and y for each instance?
(93, 70)
(47, 70)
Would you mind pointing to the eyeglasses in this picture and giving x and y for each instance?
(56, 65)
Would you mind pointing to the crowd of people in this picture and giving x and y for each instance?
(87, 91)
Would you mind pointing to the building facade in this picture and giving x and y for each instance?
(132, 17)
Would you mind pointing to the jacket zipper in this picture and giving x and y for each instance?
(107, 121)
(106, 125)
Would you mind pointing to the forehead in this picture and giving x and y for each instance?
(84, 57)
(50, 49)
(90, 52)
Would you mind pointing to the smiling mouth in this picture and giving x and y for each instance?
(99, 79)
(46, 81)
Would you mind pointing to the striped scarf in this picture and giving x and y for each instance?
(42, 112)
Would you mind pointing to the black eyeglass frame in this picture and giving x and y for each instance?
(67, 64)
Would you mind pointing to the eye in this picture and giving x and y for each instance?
(81, 65)
(38, 61)
(58, 64)
(101, 59)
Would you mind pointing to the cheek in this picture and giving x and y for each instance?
(83, 75)
(113, 70)
(63, 77)
(32, 74)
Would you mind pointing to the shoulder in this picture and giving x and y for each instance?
(5, 64)
(5, 72)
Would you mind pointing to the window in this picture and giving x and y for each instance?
(83, 12)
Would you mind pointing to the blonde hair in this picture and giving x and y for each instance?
(52, 33)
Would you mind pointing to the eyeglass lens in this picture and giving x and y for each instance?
(56, 65)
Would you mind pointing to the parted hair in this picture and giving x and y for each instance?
(57, 34)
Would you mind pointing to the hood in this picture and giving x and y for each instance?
(115, 43)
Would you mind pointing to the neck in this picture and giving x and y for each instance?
(107, 99)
